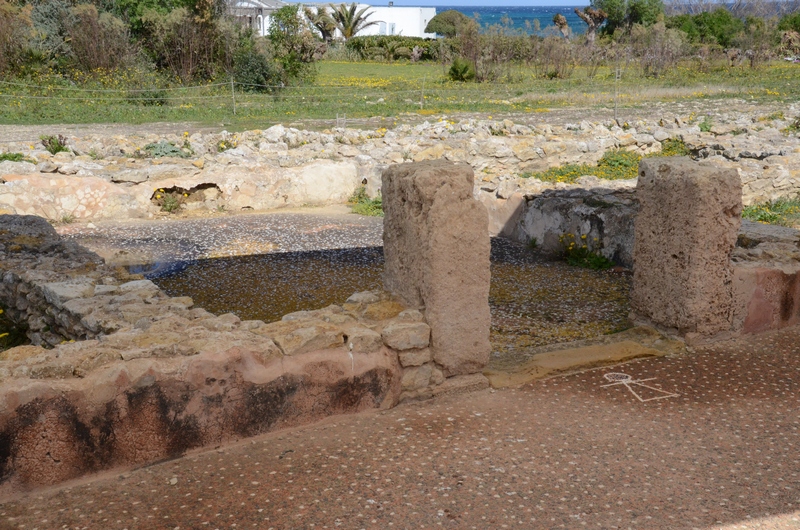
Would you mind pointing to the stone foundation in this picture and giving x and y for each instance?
(121, 374)
(436, 248)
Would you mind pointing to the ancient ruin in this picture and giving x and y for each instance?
(437, 257)
(688, 220)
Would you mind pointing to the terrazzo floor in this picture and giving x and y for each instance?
(265, 265)
(566, 452)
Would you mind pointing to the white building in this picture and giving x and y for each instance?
(255, 13)
(405, 21)
(391, 20)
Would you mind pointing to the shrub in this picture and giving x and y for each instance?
(13, 157)
(658, 48)
(784, 212)
(169, 200)
(15, 24)
(164, 148)
(428, 48)
(461, 70)
(98, 40)
(580, 252)
(180, 43)
(55, 144)
(255, 71)
(361, 204)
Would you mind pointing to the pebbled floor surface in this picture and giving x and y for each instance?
(712, 441)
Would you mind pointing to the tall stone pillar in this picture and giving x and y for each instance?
(436, 248)
(688, 221)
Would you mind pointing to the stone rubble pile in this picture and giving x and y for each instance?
(284, 166)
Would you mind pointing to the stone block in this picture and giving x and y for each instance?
(415, 357)
(436, 248)
(417, 377)
(689, 217)
(361, 339)
(406, 335)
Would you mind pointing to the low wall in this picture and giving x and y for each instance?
(115, 177)
(134, 376)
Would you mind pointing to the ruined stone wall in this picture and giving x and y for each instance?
(114, 177)
(148, 376)
(685, 231)
(436, 249)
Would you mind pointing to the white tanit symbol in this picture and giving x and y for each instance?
(617, 378)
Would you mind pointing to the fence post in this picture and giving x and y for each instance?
(233, 97)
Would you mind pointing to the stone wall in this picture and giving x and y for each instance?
(113, 177)
(120, 374)
(436, 250)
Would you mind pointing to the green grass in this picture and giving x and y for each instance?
(361, 204)
(784, 212)
(13, 157)
(616, 164)
(366, 89)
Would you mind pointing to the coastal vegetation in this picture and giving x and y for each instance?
(187, 60)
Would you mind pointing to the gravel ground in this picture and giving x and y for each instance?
(263, 266)
(566, 452)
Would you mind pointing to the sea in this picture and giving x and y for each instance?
(522, 17)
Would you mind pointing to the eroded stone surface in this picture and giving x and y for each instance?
(437, 255)
(121, 374)
(686, 229)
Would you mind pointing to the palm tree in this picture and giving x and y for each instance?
(321, 19)
(349, 21)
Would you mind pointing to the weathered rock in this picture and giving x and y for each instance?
(437, 255)
(417, 377)
(686, 228)
(406, 335)
(415, 357)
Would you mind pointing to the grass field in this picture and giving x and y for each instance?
(364, 89)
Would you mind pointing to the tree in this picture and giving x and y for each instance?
(350, 20)
(447, 23)
(322, 20)
(294, 45)
(594, 18)
(560, 22)
(623, 14)
(718, 26)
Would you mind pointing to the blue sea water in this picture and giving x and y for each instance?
(519, 15)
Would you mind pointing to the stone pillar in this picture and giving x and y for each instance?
(686, 228)
(436, 246)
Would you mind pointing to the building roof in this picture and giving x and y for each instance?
(262, 4)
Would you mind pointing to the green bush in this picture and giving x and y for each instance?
(54, 144)
(461, 70)
(164, 148)
(580, 252)
(255, 71)
(361, 204)
(365, 46)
